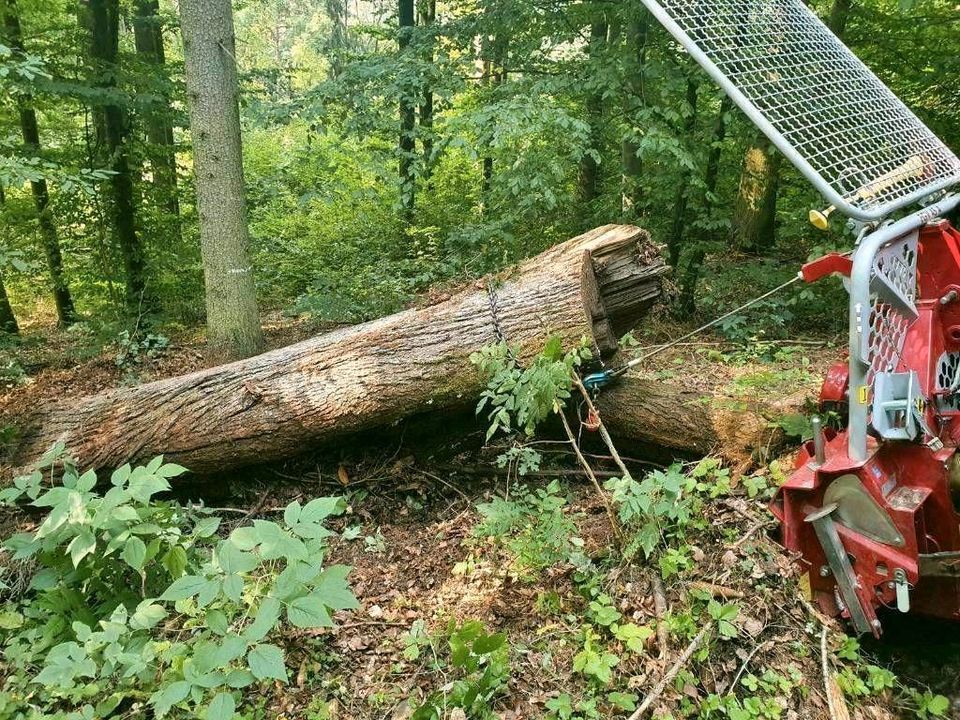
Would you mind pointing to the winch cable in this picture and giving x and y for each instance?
(596, 382)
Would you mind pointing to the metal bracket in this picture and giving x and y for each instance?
(840, 565)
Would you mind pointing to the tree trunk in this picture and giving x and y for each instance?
(632, 189)
(148, 39)
(30, 131)
(8, 321)
(691, 273)
(408, 122)
(233, 320)
(427, 12)
(754, 211)
(105, 18)
(839, 15)
(690, 421)
(589, 182)
(679, 223)
(278, 404)
(337, 13)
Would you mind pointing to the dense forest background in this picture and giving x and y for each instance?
(391, 146)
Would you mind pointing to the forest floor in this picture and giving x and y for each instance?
(421, 532)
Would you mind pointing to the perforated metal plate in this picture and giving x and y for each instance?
(834, 119)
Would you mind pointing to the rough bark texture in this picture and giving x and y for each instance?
(30, 132)
(148, 39)
(589, 179)
(426, 16)
(278, 404)
(8, 321)
(665, 415)
(233, 320)
(408, 119)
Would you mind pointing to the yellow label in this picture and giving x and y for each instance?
(864, 394)
(805, 590)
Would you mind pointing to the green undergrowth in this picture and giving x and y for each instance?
(122, 603)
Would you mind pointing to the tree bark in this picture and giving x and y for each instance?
(8, 321)
(631, 195)
(105, 18)
(589, 180)
(408, 122)
(233, 320)
(839, 15)
(30, 132)
(427, 12)
(679, 222)
(148, 40)
(697, 423)
(278, 404)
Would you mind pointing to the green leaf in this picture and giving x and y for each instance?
(266, 662)
(233, 587)
(222, 707)
(308, 612)
(217, 621)
(267, 615)
(81, 546)
(134, 552)
(175, 561)
(147, 614)
(143, 486)
(233, 560)
(332, 588)
(170, 470)
(120, 475)
(292, 513)
(165, 698)
(206, 527)
(319, 509)
(187, 586)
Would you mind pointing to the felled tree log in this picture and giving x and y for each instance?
(281, 403)
(668, 416)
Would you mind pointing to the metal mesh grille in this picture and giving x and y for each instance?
(858, 138)
(889, 320)
(948, 399)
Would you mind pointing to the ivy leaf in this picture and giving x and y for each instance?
(308, 612)
(266, 662)
(222, 707)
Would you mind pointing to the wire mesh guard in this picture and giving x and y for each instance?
(857, 137)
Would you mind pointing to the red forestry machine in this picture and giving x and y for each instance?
(872, 509)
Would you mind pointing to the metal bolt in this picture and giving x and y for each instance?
(876, 624)
(824, 571)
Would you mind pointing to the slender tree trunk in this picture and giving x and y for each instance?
(679, 222)
(839, 15)
(338, 16)
(148, 38)
(691, 273)
(105, 24)
(427, 12)
(408, 121)
(754, 211)
(30, 131)
(8, 321)
(589, 184)
(631, 194)
(233, 320)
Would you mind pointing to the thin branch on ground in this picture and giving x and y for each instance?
(665, 681)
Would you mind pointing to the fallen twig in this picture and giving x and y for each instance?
(836, 705)
(718, 591)
(672, 672)
(660, 607)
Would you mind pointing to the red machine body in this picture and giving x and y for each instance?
(897, 519)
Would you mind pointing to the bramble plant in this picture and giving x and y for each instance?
(137, 602)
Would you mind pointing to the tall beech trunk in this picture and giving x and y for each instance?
(233, 319)
(8, 321)
(30, 132)
(148, 39)
(278, 404)
(408, 119)
(105, 19)
(589, 180)
(427, 14)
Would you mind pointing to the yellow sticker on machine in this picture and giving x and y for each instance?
(864, 394)
(805, 591)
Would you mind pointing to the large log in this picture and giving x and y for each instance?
(280, 403)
